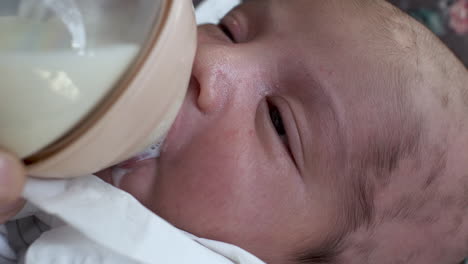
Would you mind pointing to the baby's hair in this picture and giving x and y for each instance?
(377, 163)
(373, 166)
(326, 253)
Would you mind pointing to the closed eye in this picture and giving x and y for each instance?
(227, 32)
(277, 121)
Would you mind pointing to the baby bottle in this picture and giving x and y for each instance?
(86, 84)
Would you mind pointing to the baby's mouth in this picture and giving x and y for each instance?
(117, 173)
(148, 158)
(114, 175)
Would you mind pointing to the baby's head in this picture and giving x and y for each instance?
(319, 132)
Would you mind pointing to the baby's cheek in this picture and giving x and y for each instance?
(195, 205)
(201, 195)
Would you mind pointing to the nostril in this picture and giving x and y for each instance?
(194, 85)
(210, 77)
(194, 91)
(205, 96)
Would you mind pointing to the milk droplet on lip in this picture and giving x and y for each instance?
(151, 152)
(118, 172)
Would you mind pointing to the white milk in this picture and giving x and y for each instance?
(44, 93)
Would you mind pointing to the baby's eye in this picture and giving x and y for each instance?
(277, 121)
(227, 31)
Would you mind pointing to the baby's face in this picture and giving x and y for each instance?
(227, 171)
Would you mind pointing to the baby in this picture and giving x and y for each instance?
(327, 131)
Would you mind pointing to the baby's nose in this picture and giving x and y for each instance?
(208, 91)
(204, 78)
(212, 71)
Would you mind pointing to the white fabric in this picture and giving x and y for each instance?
(211, 11)
(107, 225)
(235, 254)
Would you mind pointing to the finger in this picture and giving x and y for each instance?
(10, 210)
(12, 178)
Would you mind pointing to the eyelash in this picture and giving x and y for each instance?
(277, 121)
(227, 32)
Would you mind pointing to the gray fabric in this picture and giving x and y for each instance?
(8, 8)
(4, 260)
(22, 233)
(196, 2)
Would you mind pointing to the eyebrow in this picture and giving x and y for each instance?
(358, 208)
(380, 158)
(326, 253)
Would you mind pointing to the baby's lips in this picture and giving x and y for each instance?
(128, 163)
(117, 175)
(151, 152)
(114, 175)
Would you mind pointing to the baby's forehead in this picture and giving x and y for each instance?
(341, 28)
(370, 67)
(354, 22)
(367, 53)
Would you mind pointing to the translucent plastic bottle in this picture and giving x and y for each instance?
(77, 73)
